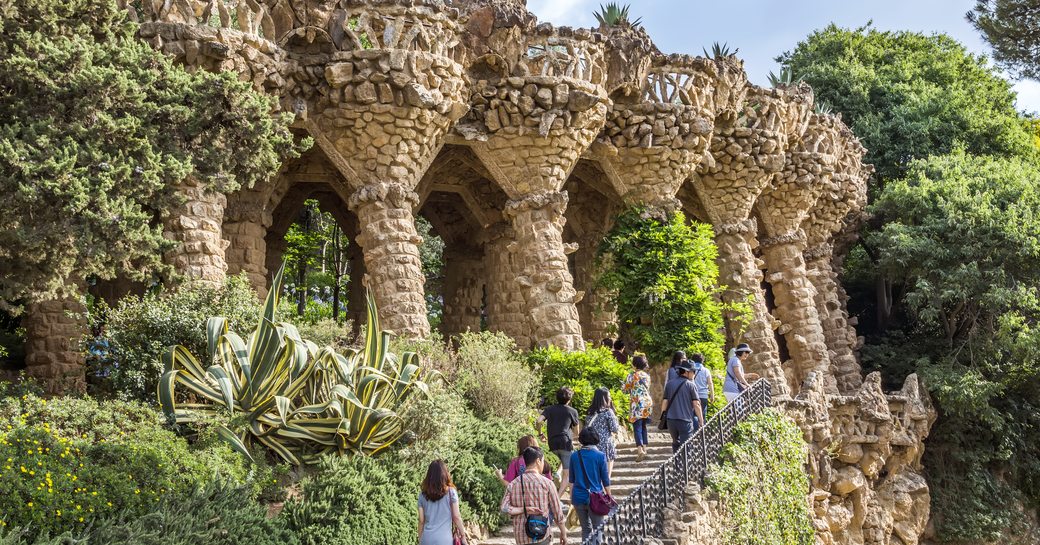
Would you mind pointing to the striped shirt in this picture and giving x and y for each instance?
(537, 492)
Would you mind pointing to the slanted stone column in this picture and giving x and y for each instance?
(196, 225)
(356, 305)
(746, 157)
(843, 193)
(463, 291)
(388, 98)
(505, 302)
(597, 316)
(782, 208)
(53, 331)
(537, 125)
(391, 248)
(245, 225)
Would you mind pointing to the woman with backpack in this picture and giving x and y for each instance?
(440, 520)
(604, 422)
(589, 477)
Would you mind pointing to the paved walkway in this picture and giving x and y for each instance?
(627, 475)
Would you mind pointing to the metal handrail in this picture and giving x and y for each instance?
(641, 514)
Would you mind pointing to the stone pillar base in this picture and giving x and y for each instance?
(54, 330)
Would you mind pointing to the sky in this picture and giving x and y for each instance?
(763, 29)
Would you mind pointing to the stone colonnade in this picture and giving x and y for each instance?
(385, 94)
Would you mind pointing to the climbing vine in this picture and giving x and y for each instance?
(762, 485)
(664, 281)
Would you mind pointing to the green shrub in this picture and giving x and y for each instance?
(493, 377)
(664, 282)
(67, 463)
(583, 372)
(761, 483)
(357, 500)
(138, 329)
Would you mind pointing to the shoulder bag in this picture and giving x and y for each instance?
(600, 503)
(740, 387)
(535, 526)
(663, 424)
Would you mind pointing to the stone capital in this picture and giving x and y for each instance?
(555, 201)
(393, 194)
(747, 226)
(796, 236)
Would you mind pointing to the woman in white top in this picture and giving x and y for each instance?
(735, 380)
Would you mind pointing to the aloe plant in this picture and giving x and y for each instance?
(615, 15)
(785, 78)
(720, 51)
(287, 394)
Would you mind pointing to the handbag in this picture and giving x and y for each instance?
(740, 387)
(600, 503)
(535, 526)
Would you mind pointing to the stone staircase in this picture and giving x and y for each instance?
(626, 476)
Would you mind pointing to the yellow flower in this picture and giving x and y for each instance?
(30, 504)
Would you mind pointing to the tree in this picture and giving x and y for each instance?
(963, 236)
(98, 129)
(1012, 27)
(664, 282)
(908, 96)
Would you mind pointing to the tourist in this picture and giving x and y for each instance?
(516, 465)
(702, 380)
(681, 406)
(640, 403)
(677, 357)
(619, 351)
(602, 419)
(561, 422)
(532, 495)
(735, 382)
(590, 475)
(607, 343)
(439, 517)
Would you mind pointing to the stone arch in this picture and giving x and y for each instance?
(593, 203)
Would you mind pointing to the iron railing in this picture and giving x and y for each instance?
(641, 514)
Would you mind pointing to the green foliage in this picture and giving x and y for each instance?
(125, 359)
(1012, 28)
(785, 78)
(99, 128)
(908, 95)
(356, 499)
(431, 255)
(614, 14)
(493, 376)
(720, 51)
(762, 485)
(296, 399)
(664, 282)
(964, 240)
(582, 372)
(68, 463)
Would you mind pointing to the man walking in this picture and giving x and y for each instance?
(681, 405)
(532, 496)
(702, 380)
(562, 423)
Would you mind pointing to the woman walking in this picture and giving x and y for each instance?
(640, 404)
(439, 517)
(590, 475)
(678, 357)
(736, 382)
(516, 465)
(604, 422)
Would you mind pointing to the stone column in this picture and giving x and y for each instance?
(505, 302)
(356, 304)
(544, 277)
(391, 248)
(245, 225)
(196, 225)
(597, 316)
(463, 292)
(53, 331)
(782, 208)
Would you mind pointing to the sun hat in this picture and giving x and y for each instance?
(685, 365)
(743, 347)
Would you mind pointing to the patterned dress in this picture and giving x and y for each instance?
(640, 404)
(605, 424)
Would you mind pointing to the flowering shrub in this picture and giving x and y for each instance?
(68, 463)
(582, 372)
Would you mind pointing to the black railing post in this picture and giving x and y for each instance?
(642, 512)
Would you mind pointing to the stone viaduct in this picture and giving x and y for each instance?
(520, 142)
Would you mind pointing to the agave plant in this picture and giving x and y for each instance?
(287, 394)
(720, 51)
(615, 15)
(823, 107)
(785, 78)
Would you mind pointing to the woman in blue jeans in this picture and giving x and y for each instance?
(588, 474)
